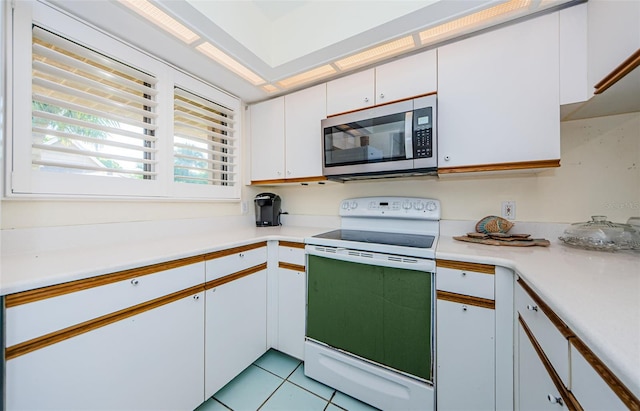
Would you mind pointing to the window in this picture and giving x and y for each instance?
(203, 147)
(99, 118)
(90, 114)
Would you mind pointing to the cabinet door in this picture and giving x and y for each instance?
(536, 390)
(407, 77)
(150, 361)
(351, 92)
(292, 289)
(613, 35)
(236, 328)
(465, 379)
(498, 96)
(267, 140)
(303, 134)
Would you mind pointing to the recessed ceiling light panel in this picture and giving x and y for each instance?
(161, 19)
(376, 53)
(307, 76)
(221, 57)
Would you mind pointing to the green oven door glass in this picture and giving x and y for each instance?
(379, 313)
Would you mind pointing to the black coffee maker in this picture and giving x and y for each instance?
(267, 210)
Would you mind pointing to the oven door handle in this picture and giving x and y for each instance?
(378, 259)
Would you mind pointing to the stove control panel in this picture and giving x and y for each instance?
(391, 207)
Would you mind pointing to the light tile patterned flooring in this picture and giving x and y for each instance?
(276, 382)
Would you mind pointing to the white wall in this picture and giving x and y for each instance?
(599, 174)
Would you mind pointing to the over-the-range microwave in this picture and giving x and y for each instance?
(397, 139)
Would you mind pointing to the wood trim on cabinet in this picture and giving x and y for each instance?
(553, 317)
(568, 397)
(625, 395)
(38, 294)
(292, 244)
(522, 165)
(289, 266)
(619, 72)
(84, 327)
(466, 299)
(386, 103)
(462, 265)
(234, 250)
(231, 277)
(290, 180)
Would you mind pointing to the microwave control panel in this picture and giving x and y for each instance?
(423, 133)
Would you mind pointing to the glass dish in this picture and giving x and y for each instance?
(602, 235)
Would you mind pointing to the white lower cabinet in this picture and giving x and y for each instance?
(465, 378)
(536, 389)
(292, 290)
(150, 361)
(467, 364)
(236, 328)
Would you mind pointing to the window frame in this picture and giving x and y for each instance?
(23, 182)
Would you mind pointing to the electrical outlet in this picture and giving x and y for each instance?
(244, 207)
(509, 210)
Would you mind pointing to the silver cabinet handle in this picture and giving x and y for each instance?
(289, 172)
(464, 308)
(447, 158)
(464, 274)
(196, 297)
(532, 307)
(381, 95)
(134, 281)
(241, 255)
(554, 400)
(366, 99)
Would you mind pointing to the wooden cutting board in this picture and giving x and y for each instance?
(510, 242)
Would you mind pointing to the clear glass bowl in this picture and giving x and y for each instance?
(600, 234)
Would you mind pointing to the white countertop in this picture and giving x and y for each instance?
(596, 293)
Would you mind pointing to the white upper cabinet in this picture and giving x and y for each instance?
(303, 135)
(267, 140)
(498, 99)
(286, 136)
(411, 76)
(595, 39)
(352, 92)
(398, 80)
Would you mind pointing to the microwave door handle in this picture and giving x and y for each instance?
(408, 134)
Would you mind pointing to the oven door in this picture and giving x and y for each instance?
(377, 307)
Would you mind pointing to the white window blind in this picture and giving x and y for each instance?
(204, 144)
(91, 114)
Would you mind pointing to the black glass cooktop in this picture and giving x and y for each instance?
(376, 237)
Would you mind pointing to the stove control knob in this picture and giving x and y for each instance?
(431, 206)
(345, 205)
(354, 205)
(407, 205)
(419, 205)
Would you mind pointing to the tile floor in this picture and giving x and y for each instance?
(276, 382)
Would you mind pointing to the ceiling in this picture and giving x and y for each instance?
(275, 39)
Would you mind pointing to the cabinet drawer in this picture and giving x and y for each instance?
(237, 261)
(293, 253)
(465, 282)
(553, 342)
(27, 321)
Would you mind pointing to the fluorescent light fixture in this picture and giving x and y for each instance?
(161, 19)
(376, 53)
(221, 57)
(474, 21)
(307, 76)
(269, 88)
